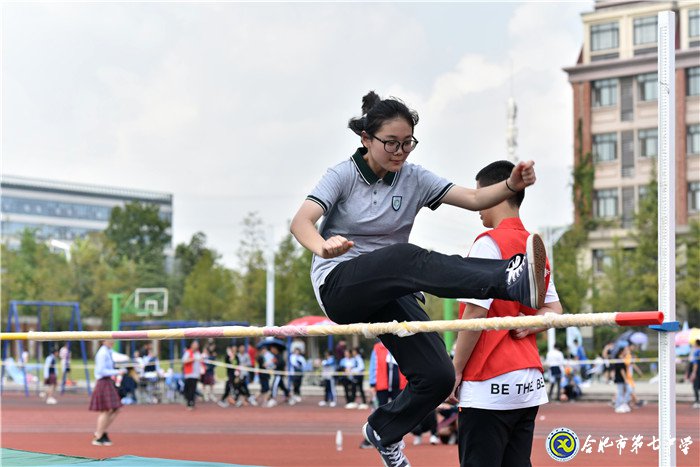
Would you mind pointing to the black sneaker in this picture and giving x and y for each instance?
(392, 455)
(525, 274)
(105, 440)
(96, 441)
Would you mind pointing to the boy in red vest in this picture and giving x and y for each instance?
(499, 384)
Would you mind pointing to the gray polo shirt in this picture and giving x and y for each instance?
(370, 211)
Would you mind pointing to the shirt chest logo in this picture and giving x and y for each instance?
(396, 202)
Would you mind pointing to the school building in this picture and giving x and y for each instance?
(60, 212)
(614, 84)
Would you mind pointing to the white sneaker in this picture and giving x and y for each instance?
(696, 405)
(292, 401)
(417, 440)
(252, 401)
(297, 398)
(223, 404)
(623, 408)
(332, 404)
(239, 403)
(51, 401)
(322, 403)
(363, 406)
(271, 403)
(434, 440)
(351, 405)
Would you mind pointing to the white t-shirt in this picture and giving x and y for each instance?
(514, 390)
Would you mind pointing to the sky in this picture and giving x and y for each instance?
(241, 107)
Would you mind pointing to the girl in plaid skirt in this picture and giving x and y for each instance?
(105, 397)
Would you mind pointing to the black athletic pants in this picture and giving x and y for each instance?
(296, 384)
(228, 388)
(496, 438)
(379, 287)
(358, 383)
(190, 390)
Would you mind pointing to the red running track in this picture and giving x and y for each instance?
(304, 435)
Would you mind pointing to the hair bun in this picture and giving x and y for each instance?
(369, 101)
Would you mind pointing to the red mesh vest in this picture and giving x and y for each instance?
(496, 352)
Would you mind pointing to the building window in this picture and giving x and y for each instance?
(605, 147)
(694, 23)
(604, 36)
(648, 86)
(601, 260)
(605, 203)
(693, 139)
(693, 81)
(648, 142)
(604, 92)
(645, 30)
(694, 196)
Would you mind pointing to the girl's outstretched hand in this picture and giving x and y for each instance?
(335, 246)
(522, 176)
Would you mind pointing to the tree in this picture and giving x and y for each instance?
(688, 292)
(136, 232)
(251, 282)
(187, 255)
(644, 262)
(615, 289)
(33, 272)
(94, 278)
(570, 276)
(209, 291)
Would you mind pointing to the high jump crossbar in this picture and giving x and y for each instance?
(402, 329)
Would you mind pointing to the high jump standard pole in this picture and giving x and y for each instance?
(667, 234)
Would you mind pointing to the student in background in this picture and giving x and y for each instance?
(105, 397)
(297, 362)
(64, 355)
(192, 370)
(265, 361)
(358, 376)
(328, 367)
(209, 371)
(694, 373)
(620, 380)
(229, 361)
(555, 361)
(50, 375)
(245, 363)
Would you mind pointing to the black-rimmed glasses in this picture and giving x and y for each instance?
(392, 145)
